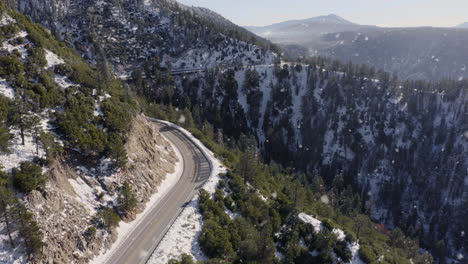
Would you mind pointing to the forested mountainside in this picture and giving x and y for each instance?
(400, 144)
(65, 131)
(411, 53)
(148, 35)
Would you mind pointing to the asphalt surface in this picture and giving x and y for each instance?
(140, 245)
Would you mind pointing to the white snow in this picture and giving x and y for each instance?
(125, 229)
(182, 237)
(6, 90)
(21, 48)
(318, 226)
(85, 193)
(52, 59)
(18, 152)
(10, 255)
(6, 20)
(63, 81)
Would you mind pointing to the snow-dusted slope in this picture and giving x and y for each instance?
(153, 34)
(403, 143)
(318, 226)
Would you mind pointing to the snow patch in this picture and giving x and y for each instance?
(6, 90)
(52, 59)
(182, 237)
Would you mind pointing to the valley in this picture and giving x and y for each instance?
(317, 141)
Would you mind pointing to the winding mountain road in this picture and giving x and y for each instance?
(142, 242)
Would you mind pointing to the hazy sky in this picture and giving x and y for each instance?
(444, 13)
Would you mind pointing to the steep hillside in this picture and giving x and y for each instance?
(150, 36)
(65, 131)
(401, 144)
(411, 53)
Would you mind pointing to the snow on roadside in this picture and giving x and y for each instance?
(126, 229)
(182, 237)
(318, 226)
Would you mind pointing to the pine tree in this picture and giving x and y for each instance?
(127, 200)
(29, 230)
(21, 118)
(7, 202)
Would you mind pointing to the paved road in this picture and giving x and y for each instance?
(139, 246)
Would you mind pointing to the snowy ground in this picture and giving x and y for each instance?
(9, 255)
(52, 59)
(182, 237)
(6, 90)
(318, 226)
(125, 229)
(18, 152)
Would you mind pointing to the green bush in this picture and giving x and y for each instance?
(109, 218)
(28, 177)
(90, 233)
(215, 240)
(367, 254)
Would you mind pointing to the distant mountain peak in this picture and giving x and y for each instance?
(463, 25)
(331, 18)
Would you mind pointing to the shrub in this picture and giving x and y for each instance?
(367, 254)
(90, 233)
(109, 218)
(28, 178)
(342, 251)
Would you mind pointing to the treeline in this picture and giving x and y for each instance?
(253, 216)
(369, 113)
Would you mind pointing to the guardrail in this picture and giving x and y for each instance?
(186, 135)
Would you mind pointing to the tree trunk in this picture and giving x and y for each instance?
(22, 136)
(7, 222)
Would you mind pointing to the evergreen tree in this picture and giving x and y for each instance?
(127, 200)
(28, 177)
(29, 230)
(7, 207)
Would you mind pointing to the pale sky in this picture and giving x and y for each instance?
(398, 13)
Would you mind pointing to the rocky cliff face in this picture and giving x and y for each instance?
(70, 202)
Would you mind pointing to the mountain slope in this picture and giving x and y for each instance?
(411, 53)
(148, 35)
(65, 131)
(463, 25)
(321, 117)
(306, 31)
(381, 134)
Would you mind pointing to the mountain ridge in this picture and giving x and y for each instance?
(463, 25)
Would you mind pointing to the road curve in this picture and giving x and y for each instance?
(142, 242)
